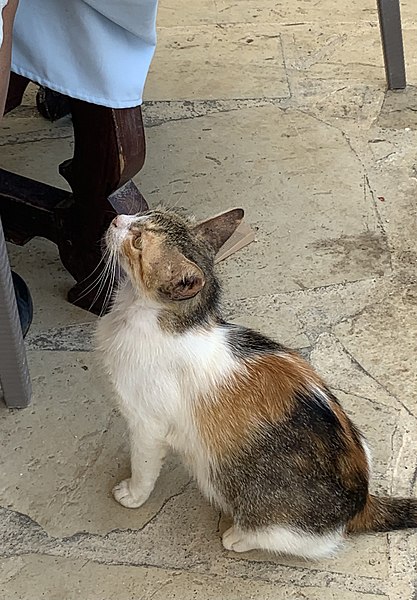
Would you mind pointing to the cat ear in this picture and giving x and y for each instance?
(217, 230)
(185, 280)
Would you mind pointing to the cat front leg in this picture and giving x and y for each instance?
(147, 452)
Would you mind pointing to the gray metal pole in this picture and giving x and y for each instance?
(14, 372)
(392, 43)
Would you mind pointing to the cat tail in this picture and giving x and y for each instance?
(385, 514)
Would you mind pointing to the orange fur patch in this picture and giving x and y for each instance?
(353, 464)
(156, 266)
(264, 392)
(134, 258)
(367, 519)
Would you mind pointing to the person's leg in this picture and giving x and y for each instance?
(8, 14)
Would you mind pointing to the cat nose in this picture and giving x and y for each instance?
(121, 221)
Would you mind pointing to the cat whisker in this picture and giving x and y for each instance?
(103, 279)
(110, 290)
(96, 280)
(93, 271)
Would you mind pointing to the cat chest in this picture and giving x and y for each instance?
(147, 364)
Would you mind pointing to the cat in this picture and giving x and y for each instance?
(264, 437)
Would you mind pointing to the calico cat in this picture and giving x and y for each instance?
(262, 434)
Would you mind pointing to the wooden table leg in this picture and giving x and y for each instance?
(109, 150)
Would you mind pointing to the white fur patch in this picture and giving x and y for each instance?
(368, 454)
(284, 540)
(159, 376)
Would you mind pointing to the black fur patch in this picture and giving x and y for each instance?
(246, 343)
(290, 473)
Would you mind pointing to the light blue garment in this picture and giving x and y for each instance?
(94, 50)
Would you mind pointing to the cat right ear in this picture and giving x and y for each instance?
(181, 279)
(217, 230)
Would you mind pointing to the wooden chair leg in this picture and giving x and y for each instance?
(392, 43)
(109, 150)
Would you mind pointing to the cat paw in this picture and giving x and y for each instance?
(123, 495)
(236, 540)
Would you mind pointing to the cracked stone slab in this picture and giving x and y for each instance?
(32, 576)
(78, 338)
(403, 461)
(383, 418)
(297, 318)
(238, 61)
(319, 53)
(159, 112)
(383, 340)
(301, 204)
(185, 536)
(63, 455)
(389, 159)
(348, 105)
(377, 414)
(343, 371)
(338, 70)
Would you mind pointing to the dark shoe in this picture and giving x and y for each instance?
(24, 302)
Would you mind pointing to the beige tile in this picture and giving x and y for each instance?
(172, 13)
(297, 318)
(383, 341)
(327, 55)
(325, 58)
(214, 62)
(25, 578)
(25, 124)
(38, 159)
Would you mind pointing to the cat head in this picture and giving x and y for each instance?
(168, 258)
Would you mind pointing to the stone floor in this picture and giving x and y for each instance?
(278, 106)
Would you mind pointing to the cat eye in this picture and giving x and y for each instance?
(137, 241)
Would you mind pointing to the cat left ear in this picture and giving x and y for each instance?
(186, 281)
(217, 230)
